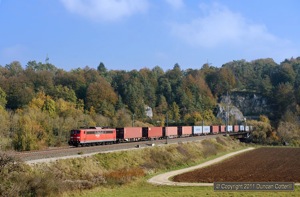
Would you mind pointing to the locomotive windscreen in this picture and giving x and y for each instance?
(73, 132)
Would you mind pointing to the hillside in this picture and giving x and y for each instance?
(41, 103)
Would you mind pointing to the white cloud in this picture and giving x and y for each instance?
(220, 28)
(105, 10)
(177, 4)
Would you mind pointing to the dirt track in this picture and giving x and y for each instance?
(259, 165)
(163, 179)
(264, 164)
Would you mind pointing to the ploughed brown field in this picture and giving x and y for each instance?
(258, 165)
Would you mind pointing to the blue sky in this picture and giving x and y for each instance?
(133, 34)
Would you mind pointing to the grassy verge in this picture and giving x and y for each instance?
(142, 188)
(113, 174)
(161, 159)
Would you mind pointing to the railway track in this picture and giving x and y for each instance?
(51, 154)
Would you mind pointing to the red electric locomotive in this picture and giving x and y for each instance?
(92, 136)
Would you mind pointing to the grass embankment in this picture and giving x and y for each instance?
(112, 174)
(144, 189)
(145, 163)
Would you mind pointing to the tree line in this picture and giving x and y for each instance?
(40, 103)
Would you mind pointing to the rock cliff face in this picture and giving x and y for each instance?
(242, 104)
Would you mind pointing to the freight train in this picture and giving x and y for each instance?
(104, 135)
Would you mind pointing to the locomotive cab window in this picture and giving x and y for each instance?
(74, 132)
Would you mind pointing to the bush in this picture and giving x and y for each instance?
(18, 179)
(289, 132)
(122, 176)
(208, 148)
(221, 141)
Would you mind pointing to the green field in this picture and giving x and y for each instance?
(143, 189)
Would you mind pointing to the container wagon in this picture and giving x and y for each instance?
(185, 131)
(247, 128)
(241, 128)
(215, 129)
(201, 130)
(229, 128)
(153, 132)
(170, 132)
(129, 134)
(222, 129)
(236, 128)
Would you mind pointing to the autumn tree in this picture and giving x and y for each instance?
(3, 100)
(173, 113)
(74, 80)
(197, 91)
(261, 131)
(131, 90)
(122, 118)
(5, 137)
(283, 97)
(221, 81)
(193, 118)
(102, 97)
(63, 92)
(289, 133)
(283, 74)
(19, 93)
(33, 65)
(14, 69)
(149, 81)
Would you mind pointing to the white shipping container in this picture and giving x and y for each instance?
(229, 128)
(199, 130)
(247, 128)
(242, 128)
(206, 129)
